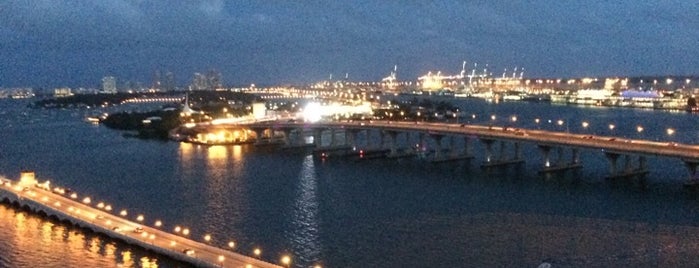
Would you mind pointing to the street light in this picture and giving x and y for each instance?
(207, 237)
(123, 213)
(257, 252)
(140, 218)
(611, 128)
(231, 244)
(670, 131)
(158, 223)
(537, 121)
(178, 229)
(560, 122)
(286, 260)
(185, 231)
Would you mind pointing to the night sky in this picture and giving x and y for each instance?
(51, 43)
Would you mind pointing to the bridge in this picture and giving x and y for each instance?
(626, 157)
(68, 207)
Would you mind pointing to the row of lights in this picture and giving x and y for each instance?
(584, 124)
(285, 259)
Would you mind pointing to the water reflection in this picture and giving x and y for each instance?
(215, 154)
(225, 201)
(43, 243)
(304, 218)
(186, 154)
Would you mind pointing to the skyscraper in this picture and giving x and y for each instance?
(169, 82)
(109, 84)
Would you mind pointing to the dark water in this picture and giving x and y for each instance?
(343, 213)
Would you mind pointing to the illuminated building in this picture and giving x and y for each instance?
(109, 84)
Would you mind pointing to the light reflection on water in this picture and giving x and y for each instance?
(39, 242)
(305, 233)
(379, 213)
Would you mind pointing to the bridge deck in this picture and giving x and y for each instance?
(686, 152)
(101, 221)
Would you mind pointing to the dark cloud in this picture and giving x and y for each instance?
(75, 43)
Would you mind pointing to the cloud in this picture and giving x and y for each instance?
(252, 40)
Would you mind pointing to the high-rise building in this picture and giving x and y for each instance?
(199, 82)
(169, 82)
(214, 80)
(156, 80)
(209, 81)
(109, 84)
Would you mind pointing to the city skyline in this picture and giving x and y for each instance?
(64, 43)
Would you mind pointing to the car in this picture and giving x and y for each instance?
(116, 229)
(138, 230)
(612, 139)
(188, 251)
(672, 144)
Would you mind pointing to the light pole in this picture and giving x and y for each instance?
(639, 129)
(585, 124)
(537, 121)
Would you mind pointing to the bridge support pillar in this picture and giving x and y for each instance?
(438, 146)
(259, 136)
(318, 138)
(612, 159)
(488, 151)
(628, 169)
(559, 164)
(467, 147)
(576, 156)
(545, 152)
(501, 159)
(559, 156)
(287, 138)
(691, 166)
(421, 142)
(393, 145)
(351, 138)
(300, 139)
(333, 141)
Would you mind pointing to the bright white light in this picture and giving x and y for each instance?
(312, 112)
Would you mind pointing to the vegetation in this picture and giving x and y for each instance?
(160, 123)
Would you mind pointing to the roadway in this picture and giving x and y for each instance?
(620, 145)
(103, 221)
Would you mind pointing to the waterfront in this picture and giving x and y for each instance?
(391, 213)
